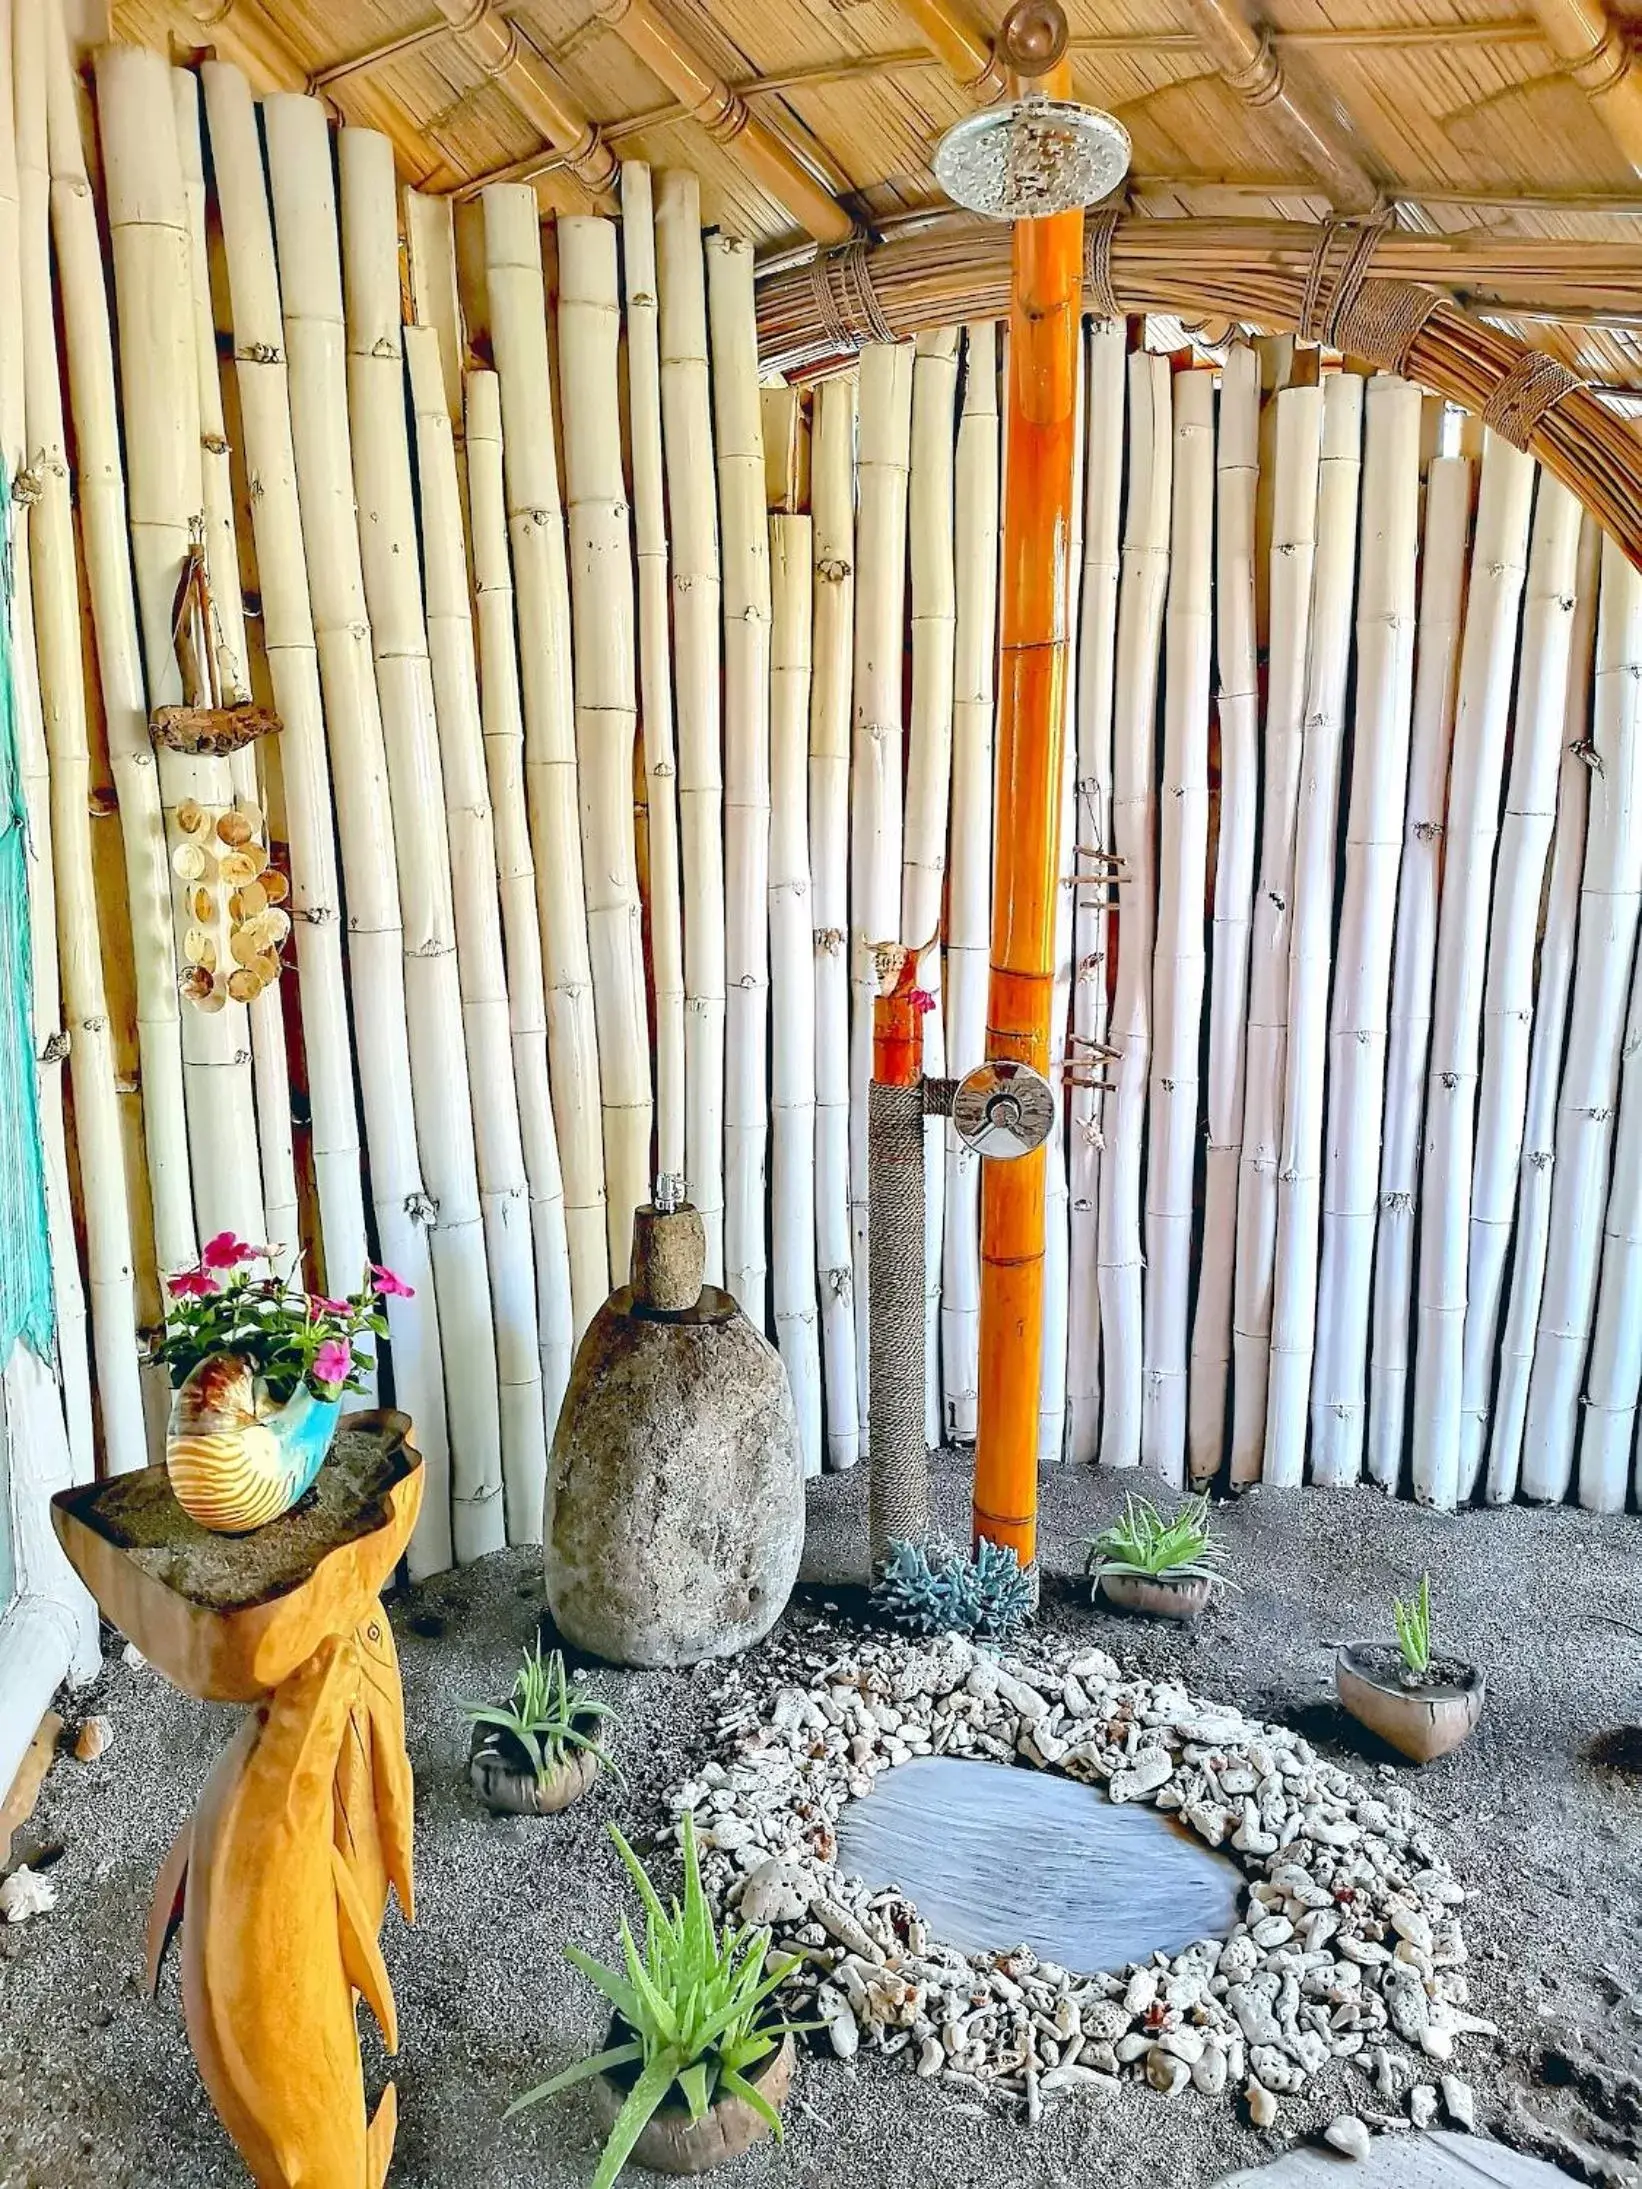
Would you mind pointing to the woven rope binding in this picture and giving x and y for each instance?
(1384, 320)
(1331, 291)
(1534, 385)
(846, 303)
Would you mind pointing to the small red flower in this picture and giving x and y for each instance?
(226, 1252)
(333, 1362)
(193, 1284)
(921, 1000)
(390, 1286)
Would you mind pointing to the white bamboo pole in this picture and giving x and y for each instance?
(293, 666)
(969, 876)
(1311, 935)
(1610, 893)
(1106, 374)
(1178, 973)
(1559, 927)
(883, 457)
(934, 614)
(153, 282)
(638, 243)
(1362, 982)
(1293, 551)
(1498, 563)
(1614, 1373)
(518, 313)
(1508, 996)
(440, 1083)
(56, 616)
(1145, 572)
(504, 736)
(314, 347)
(270, 1070)
(606, 699)
(1436, 685)
(792, 985)
(1237, 465)
(832, 504)
(692, 507)
(89, 355)
(738, 432)
(504, 1190)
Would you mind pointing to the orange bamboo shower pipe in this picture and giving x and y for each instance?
(1044, 299)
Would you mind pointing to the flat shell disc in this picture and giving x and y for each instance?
(1004, 1109)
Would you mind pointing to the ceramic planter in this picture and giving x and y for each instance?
(1158, 1597)
(237, 1461)
(671, 2143)
(507, 1783)
(1419, 1722)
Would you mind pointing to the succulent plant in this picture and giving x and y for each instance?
(936, 1588)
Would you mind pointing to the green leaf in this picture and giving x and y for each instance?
(642, 2100)
(580, 2071)
(738, 2087)
(692, 2081)
(616, 1989)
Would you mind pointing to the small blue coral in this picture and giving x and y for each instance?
(936, 1588)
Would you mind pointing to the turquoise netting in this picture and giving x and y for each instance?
(26, 1299)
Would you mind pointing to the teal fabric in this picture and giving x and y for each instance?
(27, 1309)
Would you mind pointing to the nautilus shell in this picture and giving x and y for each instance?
(236, 1461)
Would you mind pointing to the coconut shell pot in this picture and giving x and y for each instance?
(670, 2142)
(1420, 1722)
(505, 1779)
(1157, 1596)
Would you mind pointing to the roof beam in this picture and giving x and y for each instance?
(1592, 48)
(961, 45)
(1246, 56)
(725, 116)
(537, 90)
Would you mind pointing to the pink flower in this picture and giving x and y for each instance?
(921, 1000)
(226, 1252)
(193, 1284)
(319, 1305)
(390, 1286)
(333, 1363)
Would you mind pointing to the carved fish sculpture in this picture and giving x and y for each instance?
(278, 1936)
(236, 1459)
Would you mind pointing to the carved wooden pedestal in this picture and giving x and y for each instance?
(281, 1877)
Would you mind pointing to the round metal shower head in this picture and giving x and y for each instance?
(1033, 157)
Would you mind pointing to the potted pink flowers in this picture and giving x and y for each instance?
(259, 1368)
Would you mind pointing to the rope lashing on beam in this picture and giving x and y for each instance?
(1384, 320)
(1333, 288)
(1098, 230)
(1534, 385)
(846, 303)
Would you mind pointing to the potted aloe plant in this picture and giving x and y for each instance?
(695, 2066)
(1423, 1704)
(538, 1752)
(1167, 1565)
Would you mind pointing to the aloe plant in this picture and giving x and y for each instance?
(1152, 1546)
(694, 2000)
(1413, 1622)
(548, 1715)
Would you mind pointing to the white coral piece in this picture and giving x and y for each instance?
(23, 1894)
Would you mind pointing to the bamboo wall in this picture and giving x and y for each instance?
(630, 708)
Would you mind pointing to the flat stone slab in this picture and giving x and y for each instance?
(1436, 2161)
(995, 1856)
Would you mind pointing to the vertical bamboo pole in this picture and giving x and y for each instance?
(1508, 997)
(738, 435)
(1107, 371)
(504, 1190)
(692, 506)
(606, 699)
(1559, 926)
(270, 1072)
(89, 356)
(62, 821)
(1373, 847)
(883, 456)
(792, 997)
(153, 281)
(1293, 551)
(1237, 471)
(293, 665)
(504, 736)
(518, 313)
(1436, 684)
(1498, 563)
(832, 504)
(1141, 589)
(638, 242)
(1038, 482)
(1311, 928)
(314, 347)
(1610, 894)
(1613, 1374)
(440, 1086)
(934, 612)
(969, 876)
(1177, 988)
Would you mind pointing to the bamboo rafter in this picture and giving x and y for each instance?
(536, 89)
(812, 318)
(1591, 45)
(1248, 60)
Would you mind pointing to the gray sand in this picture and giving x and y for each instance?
(96, 2084)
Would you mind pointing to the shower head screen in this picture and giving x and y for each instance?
(1033, 157)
